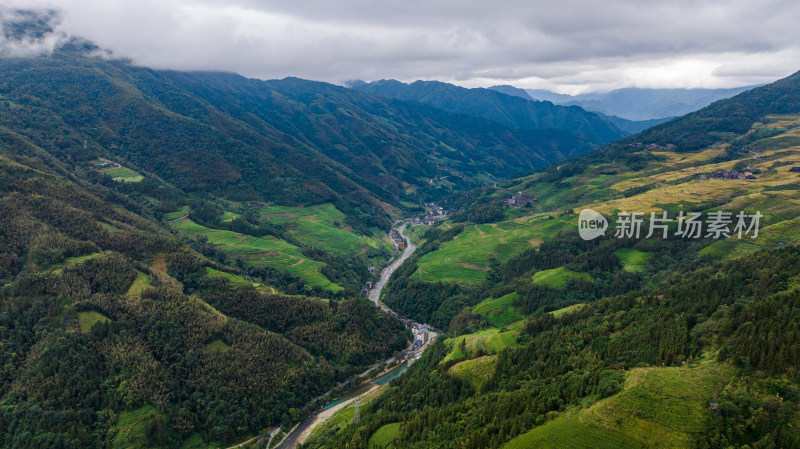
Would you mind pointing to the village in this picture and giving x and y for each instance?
(433, 213)
(518, 200)
(728, 174)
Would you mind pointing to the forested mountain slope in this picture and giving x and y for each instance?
(119, 331)
(289, 141)
(555, 341)
(500, 107)
(234, 157)
(107, 318)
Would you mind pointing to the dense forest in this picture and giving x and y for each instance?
(106, 315)
(747, 307)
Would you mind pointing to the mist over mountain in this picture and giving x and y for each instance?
(641, 104)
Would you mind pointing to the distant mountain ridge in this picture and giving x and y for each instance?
(508, 110)
(291, 141)
(513, 91)
(634, 103)
(626, 125)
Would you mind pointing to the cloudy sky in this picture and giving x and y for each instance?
(569, 46)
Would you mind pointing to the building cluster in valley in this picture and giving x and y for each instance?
(421, 336)
(433, 213)
(398, 240)
(653, 146)
(726, 174)
(108, 164)
(518, 200)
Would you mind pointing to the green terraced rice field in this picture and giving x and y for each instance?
(786, 232)
(233, 278)
(87, 319)
(139, 284)
(570, 433)
(500, 311)
(322, 226)
(340, 419)
(661, 407)
(383, 437)
(108, 226)
(416, 232)
(490, 340)
(475, 371)
(81, 259)
(633, 260)
(466, 258)
(177, 214)
(260, 251)
(568, 309)
(130, 427)
(123, 174)
(557, 277)
(229, 216)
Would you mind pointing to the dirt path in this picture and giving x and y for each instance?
(179, 218)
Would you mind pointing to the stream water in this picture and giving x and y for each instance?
(291, 441)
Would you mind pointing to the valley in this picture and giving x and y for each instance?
(422, 338)
(195, 259)
(591, 343)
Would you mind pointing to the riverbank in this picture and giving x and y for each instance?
(423, 337)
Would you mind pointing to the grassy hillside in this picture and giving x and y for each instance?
(658, 407)
(383, 437)
(268, 251)
(322, 226)
(500, 311)
(670, 181)
(572, 434)
(466, 258)
(557, 277)
(626, 342)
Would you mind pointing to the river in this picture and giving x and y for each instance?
(301, 432)
(375, 294)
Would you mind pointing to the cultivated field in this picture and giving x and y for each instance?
(466, 258)
(258, 251)
(658, 408)
(323, 226)
(500, 311)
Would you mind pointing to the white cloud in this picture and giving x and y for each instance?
(26, 44)
(569, 46)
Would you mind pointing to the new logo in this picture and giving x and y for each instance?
(591, 224)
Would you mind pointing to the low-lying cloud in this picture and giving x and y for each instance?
(570, 45)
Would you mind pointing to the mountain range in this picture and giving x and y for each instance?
(508, 110)
(635, 103)
(184, 258)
